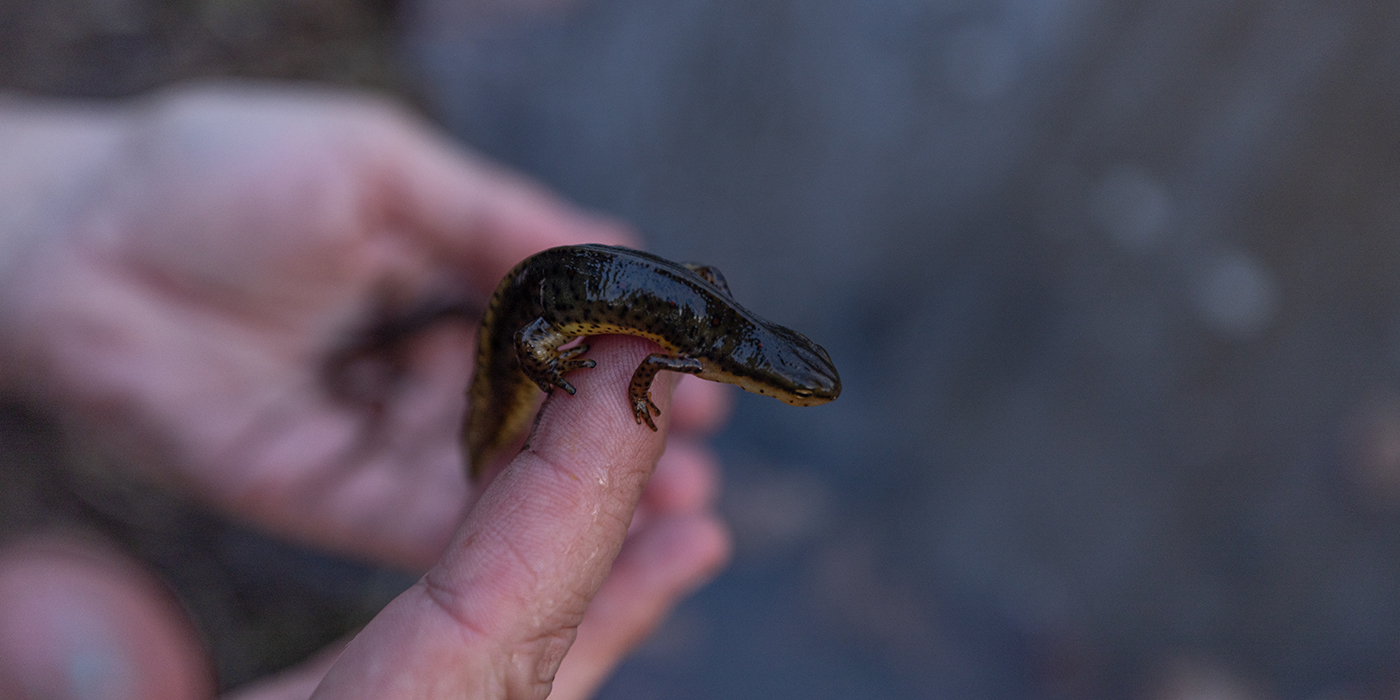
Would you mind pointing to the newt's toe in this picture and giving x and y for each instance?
(641, 410)
(565, 385)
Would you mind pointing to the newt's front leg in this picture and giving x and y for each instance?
(640, 390)
(537, 345)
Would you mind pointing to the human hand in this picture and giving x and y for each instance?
(495, 617)
(491, 620)
(186, 300)
(234, 239)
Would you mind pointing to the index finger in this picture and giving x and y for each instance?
(497, 614)
(569, 496)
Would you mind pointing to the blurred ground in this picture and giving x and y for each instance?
(1111, 286)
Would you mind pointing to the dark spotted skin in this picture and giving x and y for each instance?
(571, 291)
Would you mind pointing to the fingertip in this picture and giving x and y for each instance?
(595, 429)
(701, 406)
(687, 551)
(79, 620)
(597, 227)
(687, 479)
(521, 219)
(549, 525)
(660, 566)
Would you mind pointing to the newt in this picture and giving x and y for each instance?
(564, 293)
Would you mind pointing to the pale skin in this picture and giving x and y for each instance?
(174, 272)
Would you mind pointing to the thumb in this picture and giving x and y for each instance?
(495, 617)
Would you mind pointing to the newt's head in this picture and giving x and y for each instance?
(784, 364)
(804, 373)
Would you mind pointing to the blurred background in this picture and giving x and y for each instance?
(1111, 285)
